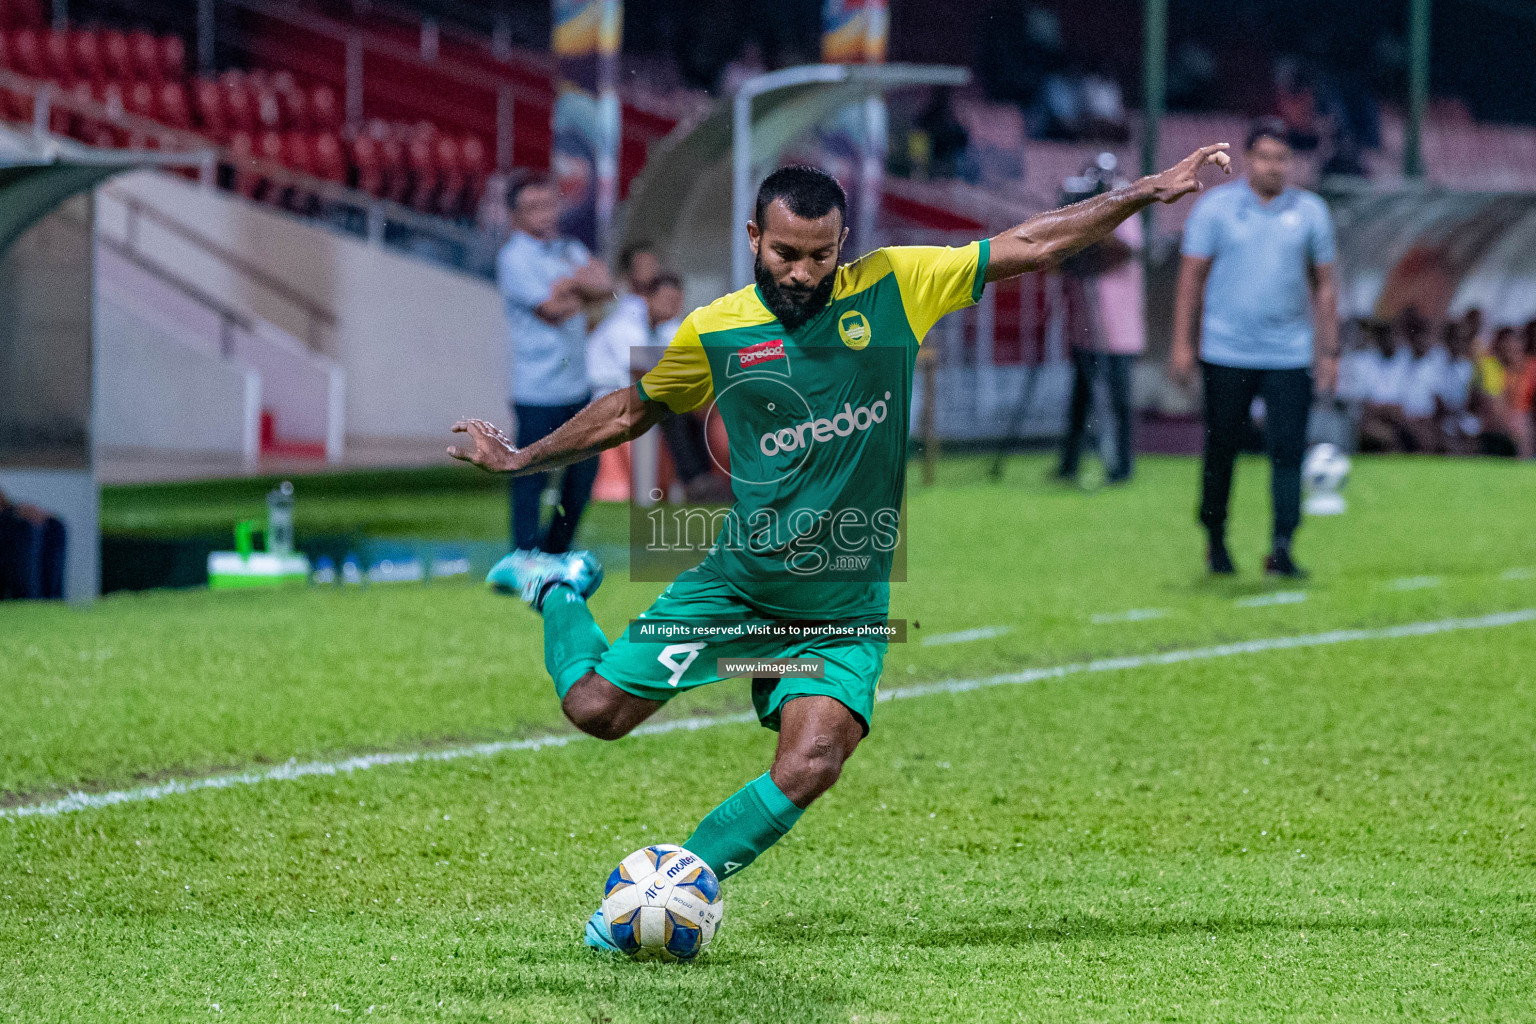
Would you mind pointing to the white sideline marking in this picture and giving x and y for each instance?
(1278, 597)
(1415, 583)
(1518, 574)
(1134, 615)
(964, 635)
(297, 770)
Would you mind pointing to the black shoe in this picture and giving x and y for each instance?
(1279, 563)
(1218, 561)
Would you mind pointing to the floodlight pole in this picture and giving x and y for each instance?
(1154, 61)
(1418, 86)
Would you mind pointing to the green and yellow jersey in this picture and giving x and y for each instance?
(818, 420)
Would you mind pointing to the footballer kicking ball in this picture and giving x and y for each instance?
(662, 903)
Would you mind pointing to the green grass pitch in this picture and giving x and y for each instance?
(1340, 832)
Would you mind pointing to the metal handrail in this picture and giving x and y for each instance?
(229, 317)
(319, 316)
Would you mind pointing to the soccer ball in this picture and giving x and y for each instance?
(662, 903)
(1325, 471)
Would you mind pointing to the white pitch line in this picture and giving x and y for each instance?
(1278, 597)
(1518, 574)
(1415, 583)
(1134, 615)
(297, 770)
(964, 636)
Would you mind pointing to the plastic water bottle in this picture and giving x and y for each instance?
(280, 520)
(351, 570)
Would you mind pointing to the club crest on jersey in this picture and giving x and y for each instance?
(853, 328)
(763, 357)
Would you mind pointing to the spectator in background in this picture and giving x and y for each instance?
(647, 323)
(1454, 394)
(948, 144)
(1422, 380)
(639, 267)
(546, 282)
(1472, 330)
(31, 553)
(1110, 272)
(1503, 406)
(1376, 382)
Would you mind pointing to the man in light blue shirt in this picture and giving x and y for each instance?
(545, 282)
(1257, 278)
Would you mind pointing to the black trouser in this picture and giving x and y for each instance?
(686, 442)
(31, 558)
(1229, 393)
(534, 422)
(1116, 371)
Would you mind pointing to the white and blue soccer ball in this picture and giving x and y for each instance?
(1325, 472)
(662, 903)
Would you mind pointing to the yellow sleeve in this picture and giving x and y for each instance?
(681, 380)
(936, 280)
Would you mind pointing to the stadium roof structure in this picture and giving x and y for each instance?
(696, 189)
(40, 171)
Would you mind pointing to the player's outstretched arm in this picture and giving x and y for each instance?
(608, 422)
(1046, 239)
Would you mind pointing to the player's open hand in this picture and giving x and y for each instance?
(492, 450)
(1183, 177)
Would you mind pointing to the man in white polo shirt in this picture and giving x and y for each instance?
(546, 282)
(1257, 288)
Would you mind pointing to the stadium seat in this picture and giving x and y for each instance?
(324, 110)
(171, 105)
(299, 152)
(368, 165)
(422, 164)
(56, 56)
(27, 53)
(239, 114)
(5, 48)
(449, 165)
(139, 98)
(117, 58)
(295, 109)
(330, 158)
(144, 50)
(396, 174)
(246, 182)
(23, 14)
(173, 58)
(269, 112)
(208, 97)
(85, 55)
(477, 166)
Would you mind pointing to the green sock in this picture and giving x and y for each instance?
(732, 835)
(572, 641)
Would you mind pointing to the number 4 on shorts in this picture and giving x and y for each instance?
(668, 657)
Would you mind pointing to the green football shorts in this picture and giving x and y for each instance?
(711, 621)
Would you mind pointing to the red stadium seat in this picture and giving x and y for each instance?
(446, 154)
(477, 165)
(282, 81)
(241, 149)
(324, 110)
(5, 49)
(85, 55)
(27, 53)
(397, 176)
(173, 57)
(56, 57)
(420, 157)
(171, 105)
(208, 96)
(144, 49)
(295, 104)
(116, 55)
(239, 109)
(83, 126)
(269, 112)
(299, 152)
(139, 98)
(330, 158)
(368, 162)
